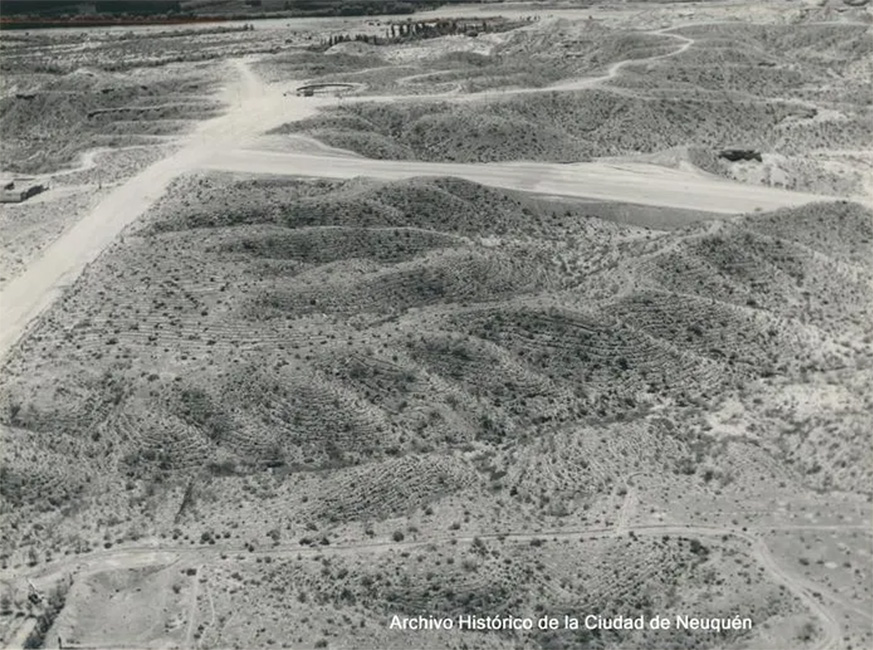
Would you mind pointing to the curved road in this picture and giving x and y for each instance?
(254, 108)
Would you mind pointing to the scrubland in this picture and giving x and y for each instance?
(276, 412)
(48, 128)
(29, 227)
(64, 93)
(794, 93)
(560, 126)
(275, 365)
(530, 57)
(314, 599)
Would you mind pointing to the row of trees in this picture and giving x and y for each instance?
(399, 32)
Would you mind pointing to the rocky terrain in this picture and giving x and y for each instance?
(429, 360)
(247, 402)
(796, 93)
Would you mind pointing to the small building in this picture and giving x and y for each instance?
(16, 191)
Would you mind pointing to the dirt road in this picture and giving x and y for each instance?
(629, 182)
(615, 68)
(143, 556)
(254, 108)
(25, 296)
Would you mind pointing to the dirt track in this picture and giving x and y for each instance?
(615, 68)
(252, 109)
(627, 182)
(255, 108)
(61, 263)
(144, 556)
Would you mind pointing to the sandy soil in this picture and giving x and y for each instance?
(629, 182)
(252, 109)
(255, 108)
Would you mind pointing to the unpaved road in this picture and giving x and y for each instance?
(255, 108)
(628, 182)
(615, 68)
(143, 556)
(26, 295)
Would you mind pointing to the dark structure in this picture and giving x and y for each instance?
(18, 191)
(740, 154)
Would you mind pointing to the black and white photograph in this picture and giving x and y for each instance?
(436, 324)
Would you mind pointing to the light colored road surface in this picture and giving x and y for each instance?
(629, 182)
(25, 296)
(255, 108)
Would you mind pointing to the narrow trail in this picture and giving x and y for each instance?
(199, 556)
(628, 507)
(831, 638)
(580, 83)
(615, 68)
(405, 81)
(193, 607)
(88, 159)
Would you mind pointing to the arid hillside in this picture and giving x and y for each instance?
(796, 95)
(316, 362)
(276, 370)
(566, 126)
(49, 127)
(62, 94)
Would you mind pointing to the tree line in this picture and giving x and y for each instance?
(409, 30)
